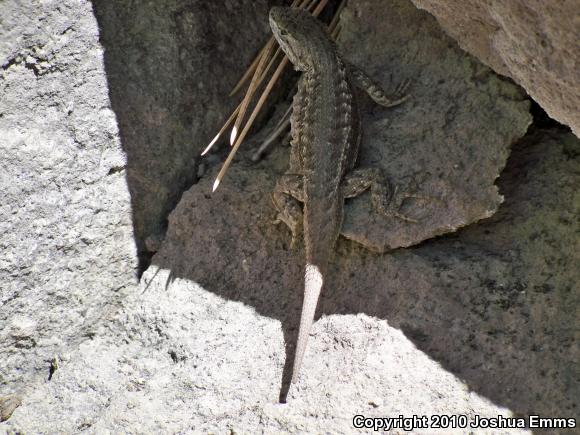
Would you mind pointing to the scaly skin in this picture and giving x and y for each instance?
(325, 139)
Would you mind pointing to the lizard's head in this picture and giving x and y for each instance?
(299, 35)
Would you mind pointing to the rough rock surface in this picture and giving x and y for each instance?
(482, 322)
(449, 142)
(170, 65)
(535, 42)
(68, 218)
(66, 241)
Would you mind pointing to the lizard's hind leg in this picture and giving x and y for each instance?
(287, 195)
(386, 198)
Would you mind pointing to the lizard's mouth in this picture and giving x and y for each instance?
(276, 17)
(291, 55)
(289, 50)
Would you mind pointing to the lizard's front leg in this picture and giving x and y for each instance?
(287, 195)
(386, 198)
(376, 92)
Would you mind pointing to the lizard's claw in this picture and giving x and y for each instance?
(400, 94)
(402, 87)
(293, 226)
(293, 241)
(295, 230)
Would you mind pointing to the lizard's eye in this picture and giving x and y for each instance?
(283, 32)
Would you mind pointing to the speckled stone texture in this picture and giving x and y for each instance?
(482, 321)
(96, 145)
(66, 239)
(479, 323)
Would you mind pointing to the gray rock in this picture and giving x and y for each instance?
(77, 192)
(494, 304)
(170, 66)
(449, 142)
(458, 325)
(532, 41)
(66, 238)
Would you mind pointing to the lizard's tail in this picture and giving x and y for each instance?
(312, 287)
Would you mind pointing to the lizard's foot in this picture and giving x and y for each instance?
(386, 199)
(400, 94)
(285, 198)
(294, 226)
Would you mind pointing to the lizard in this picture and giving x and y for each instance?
(325, 131)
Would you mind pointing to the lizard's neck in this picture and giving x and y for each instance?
(321, 57)
(324, 65)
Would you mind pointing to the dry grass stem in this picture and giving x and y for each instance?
(254, 63)
(255, 112)
(258, 70)
(334, 21)
(251, 89)
(236, 110)
(319, 8)
(248, 73)
(316, 12)
(284, 117)
(335, 32)
(225, 126)
(308, 5)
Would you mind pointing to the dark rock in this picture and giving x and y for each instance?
(170, 67)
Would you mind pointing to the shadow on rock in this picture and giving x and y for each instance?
(494, 303)
(161, 60)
